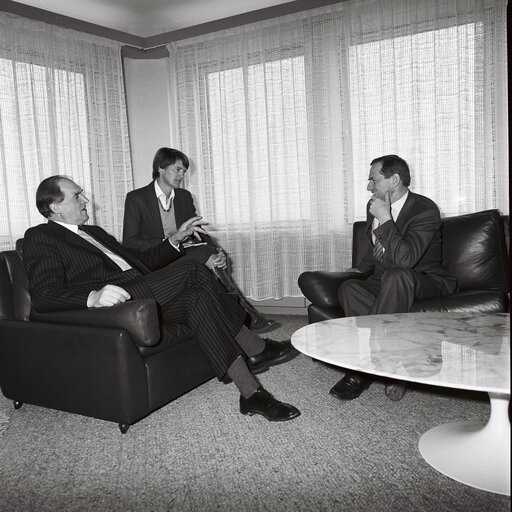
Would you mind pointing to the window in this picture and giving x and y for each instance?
(62, 111)
(267, 136)
(32, 97)
(416, 94)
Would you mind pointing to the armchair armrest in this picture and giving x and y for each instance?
(321, 288)
(138, 317)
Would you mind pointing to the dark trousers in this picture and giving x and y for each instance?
(393, 292)
(187, 293)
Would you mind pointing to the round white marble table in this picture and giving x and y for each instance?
(455, 350)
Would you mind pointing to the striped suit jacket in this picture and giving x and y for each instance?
(63, 268)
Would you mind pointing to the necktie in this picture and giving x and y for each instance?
(118, 260)
(378, 249)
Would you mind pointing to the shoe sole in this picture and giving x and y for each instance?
(254, 413)
(344, 397)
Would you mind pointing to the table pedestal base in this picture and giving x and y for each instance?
(473, 453)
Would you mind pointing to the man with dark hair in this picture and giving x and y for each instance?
(70, 265)
(153, 212)
(165, 157)
(404, 256)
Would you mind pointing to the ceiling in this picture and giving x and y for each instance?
(146, 18)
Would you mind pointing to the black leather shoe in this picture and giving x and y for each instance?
(396, 390)
(275, 352)
(261, 325)
(262, 402)
(350, 386)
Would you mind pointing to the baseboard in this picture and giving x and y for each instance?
(284, 306)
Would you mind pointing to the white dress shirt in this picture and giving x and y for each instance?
(165, 201)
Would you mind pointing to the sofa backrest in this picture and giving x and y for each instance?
(474, 249)
(14, 296)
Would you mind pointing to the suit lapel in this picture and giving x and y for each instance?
(72, 238)
(404, 215)
(153, 208)
(179, 208)
(116, 248)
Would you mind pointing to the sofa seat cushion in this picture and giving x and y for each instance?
(321, 287)
(481, 301)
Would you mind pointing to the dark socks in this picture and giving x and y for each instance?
(242, 377)
(249, 342)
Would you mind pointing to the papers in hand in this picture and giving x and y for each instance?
(191, 243)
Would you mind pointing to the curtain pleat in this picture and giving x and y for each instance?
(62, 111)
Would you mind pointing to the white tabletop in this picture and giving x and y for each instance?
(458, 350)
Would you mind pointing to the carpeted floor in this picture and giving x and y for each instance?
(200, 454)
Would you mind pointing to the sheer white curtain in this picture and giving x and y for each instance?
(62, 111)
(281, 119)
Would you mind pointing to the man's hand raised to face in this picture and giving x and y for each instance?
(381, 208)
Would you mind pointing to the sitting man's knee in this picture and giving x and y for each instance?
(346, 289)
(398, 276)
(188, 265)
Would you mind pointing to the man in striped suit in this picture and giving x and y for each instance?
(70, 265)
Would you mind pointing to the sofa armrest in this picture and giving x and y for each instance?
(138, 317)
(89, 370)
(321, 288)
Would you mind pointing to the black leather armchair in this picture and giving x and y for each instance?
(474, 250)
(109, 363)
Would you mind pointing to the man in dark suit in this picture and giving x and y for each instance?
(404, 256)
(70, 265)
(155, 211)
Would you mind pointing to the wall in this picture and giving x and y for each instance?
(148, 112)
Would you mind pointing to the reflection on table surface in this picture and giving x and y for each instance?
(461, 350)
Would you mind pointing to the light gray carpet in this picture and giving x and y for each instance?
(200, 454)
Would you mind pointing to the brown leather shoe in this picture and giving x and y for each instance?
(396, 390)
(262, 402)
(350, 386)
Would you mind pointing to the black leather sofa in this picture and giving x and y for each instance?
(475, 250)
(109, 363)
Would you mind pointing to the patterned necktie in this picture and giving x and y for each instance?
(378, 249)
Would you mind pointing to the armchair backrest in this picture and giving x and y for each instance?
(474, 249)
(14, 296)
(138, 317)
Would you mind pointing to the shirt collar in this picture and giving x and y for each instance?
(166, 203)
(71, 227)
(397, 206)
